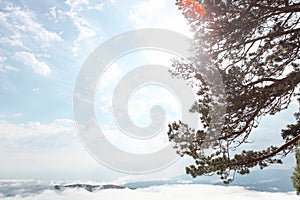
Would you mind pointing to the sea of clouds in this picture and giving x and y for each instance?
(165, 192)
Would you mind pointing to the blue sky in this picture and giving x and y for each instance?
(43, 45)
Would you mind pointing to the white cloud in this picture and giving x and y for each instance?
(80, 3)
(22, 24)
(22, 30)
(11, 116)
(55, 14)
(166, 192)
(6, 68)
(30, 60)
(2, 58)
(159, 14)
(36, 90)
(99, 6)
(17, 115)
(145, 11)
(13, 40)
(77, 3)
(34, 128)
(36, 134)
(85, 28)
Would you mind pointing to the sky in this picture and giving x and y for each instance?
(43, 45)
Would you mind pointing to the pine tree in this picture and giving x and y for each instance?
(296, 174)
(254, 46)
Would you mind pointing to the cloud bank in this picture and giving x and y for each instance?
(35, 134)
(174, 192)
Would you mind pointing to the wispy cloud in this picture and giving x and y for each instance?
(7, 68)
(17, 115)
(30, 60)
(4, 67)
(22, 35)
(11, 116)
(85, 28)
(21, 25)
(14, 40)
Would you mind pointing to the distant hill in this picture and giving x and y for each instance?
(90, 188)
(25, 189)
